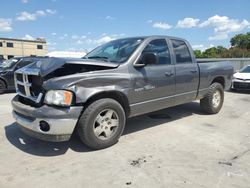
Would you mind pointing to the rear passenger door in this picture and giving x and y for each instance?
(187, 72)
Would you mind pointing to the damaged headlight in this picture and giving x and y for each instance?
(59, 97)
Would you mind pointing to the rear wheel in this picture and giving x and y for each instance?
(2, 86)
(214, 99)
(101, 124)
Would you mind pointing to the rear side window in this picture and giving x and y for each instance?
(160, 47)
(181, 51)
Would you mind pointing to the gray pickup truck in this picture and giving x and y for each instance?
(120, 79)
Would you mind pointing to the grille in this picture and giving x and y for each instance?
(29, 86)
(241, 85)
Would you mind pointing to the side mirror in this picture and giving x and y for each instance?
(147, 59)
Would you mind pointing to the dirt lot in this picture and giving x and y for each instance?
(176, 147)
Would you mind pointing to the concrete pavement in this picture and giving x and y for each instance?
(176, 147)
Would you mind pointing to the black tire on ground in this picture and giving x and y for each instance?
(88, 123)
(213, 100)
(2, 86)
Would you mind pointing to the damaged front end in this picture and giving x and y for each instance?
(30, 79)
(48, 113)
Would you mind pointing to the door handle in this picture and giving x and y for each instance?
(193, 71)
(169, 74)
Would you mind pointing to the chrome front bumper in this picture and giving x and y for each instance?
(61, 121)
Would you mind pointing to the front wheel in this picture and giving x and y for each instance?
(213, 100)
(101, 124)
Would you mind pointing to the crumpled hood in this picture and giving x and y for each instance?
(45, 66)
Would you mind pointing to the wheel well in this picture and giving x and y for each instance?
(219, 80)
(4, 82)
(116, 95)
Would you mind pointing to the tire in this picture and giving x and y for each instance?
(97, 128)
(213, 100)
(2, 86)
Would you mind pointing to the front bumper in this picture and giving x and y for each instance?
(61, 121)
(240, 84)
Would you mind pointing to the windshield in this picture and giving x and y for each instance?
(116, 51)
(245, 69)
(7, 64)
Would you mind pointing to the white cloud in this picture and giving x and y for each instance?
(198, 46)
(24, 1)
(149, 21)
(51, 43)
(40, 13)
(103, 40)
(225, 24)
(162, 25)
(5, 25)
(187, 23)
(49, 11)
(89, 41)
(218, 36)
(26, 16)
(202, 47)
(109, 18)
(79, 42)
(28, 37)
(63, 36)
(78, 37)
(74, 36)
(54, 34)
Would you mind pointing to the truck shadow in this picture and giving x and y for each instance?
(38, 147)
(42, 148)
(162, 116)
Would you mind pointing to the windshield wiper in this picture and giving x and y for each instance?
(99, 57)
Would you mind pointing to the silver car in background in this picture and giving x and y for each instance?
(241, 79)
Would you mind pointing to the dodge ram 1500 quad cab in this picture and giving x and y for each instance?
(123, 78)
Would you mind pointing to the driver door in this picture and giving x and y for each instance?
(154, 83)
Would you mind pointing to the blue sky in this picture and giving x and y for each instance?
(81, 25)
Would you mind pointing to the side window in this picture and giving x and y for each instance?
(160, 47)
(22, 64)
(181, 51)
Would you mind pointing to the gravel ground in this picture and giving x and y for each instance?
(175, 147)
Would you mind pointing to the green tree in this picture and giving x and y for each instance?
(198, 54)
(210, 53)
(241, 41)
